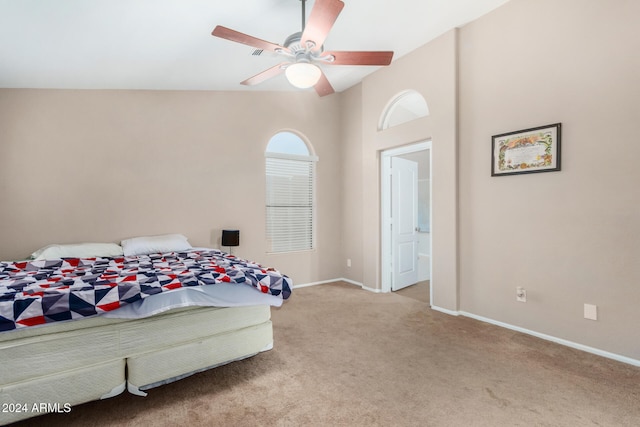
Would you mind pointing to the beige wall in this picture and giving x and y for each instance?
(431, 71)
(569, 237)
(106, 165)
(351, 152)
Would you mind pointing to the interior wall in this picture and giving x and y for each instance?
(81, 165)
(569, 237)
(351, 156)
(431, 71)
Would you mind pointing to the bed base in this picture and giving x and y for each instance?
(152, 352)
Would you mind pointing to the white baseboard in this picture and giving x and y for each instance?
(445, 310)
(306, 285)
(366, 288)
(596, 351)
(323, 282)
(351, 282)
(341, 279)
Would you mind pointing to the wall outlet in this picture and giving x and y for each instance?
(591, 312)
(349, 262)
(521, 294)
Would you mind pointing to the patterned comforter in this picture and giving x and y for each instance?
(45, 291)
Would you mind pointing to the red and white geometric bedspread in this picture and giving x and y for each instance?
(45, 291)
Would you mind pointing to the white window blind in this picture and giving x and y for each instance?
(289, 203)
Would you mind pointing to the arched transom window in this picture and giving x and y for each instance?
(290, 193)
(404, 107)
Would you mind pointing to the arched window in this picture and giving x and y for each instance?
(290, 201)
(404, 107)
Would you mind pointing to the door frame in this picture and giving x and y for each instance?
(386, 246)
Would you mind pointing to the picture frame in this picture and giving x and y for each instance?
(526, 151)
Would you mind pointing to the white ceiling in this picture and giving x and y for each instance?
(167, 44)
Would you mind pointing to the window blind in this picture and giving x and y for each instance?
(289, 204)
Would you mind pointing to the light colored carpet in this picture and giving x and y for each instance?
(348, 357)
(419, 291)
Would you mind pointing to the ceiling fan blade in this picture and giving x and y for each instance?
(236, 36)
(359, 57)
(265, 75)
(321, 20)
(323, 87)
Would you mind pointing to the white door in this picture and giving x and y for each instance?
(404, 222)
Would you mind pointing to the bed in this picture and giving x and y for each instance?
(75, 330)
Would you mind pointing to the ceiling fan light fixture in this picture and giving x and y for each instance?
(303, 75)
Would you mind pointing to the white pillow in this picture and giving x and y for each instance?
(78, 250)
(154, 244)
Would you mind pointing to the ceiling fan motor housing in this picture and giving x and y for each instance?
(293, 42)
(298, 50)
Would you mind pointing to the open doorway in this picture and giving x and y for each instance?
(406, 219)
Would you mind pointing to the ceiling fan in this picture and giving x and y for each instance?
(304, 50)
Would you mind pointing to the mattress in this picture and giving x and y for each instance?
(219, 295)
(60, 346)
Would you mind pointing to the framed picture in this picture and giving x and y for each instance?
(526, 151)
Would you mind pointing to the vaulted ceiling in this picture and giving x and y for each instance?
(167, 44)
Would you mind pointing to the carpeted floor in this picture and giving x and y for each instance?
(348, 357)
(419, 291)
